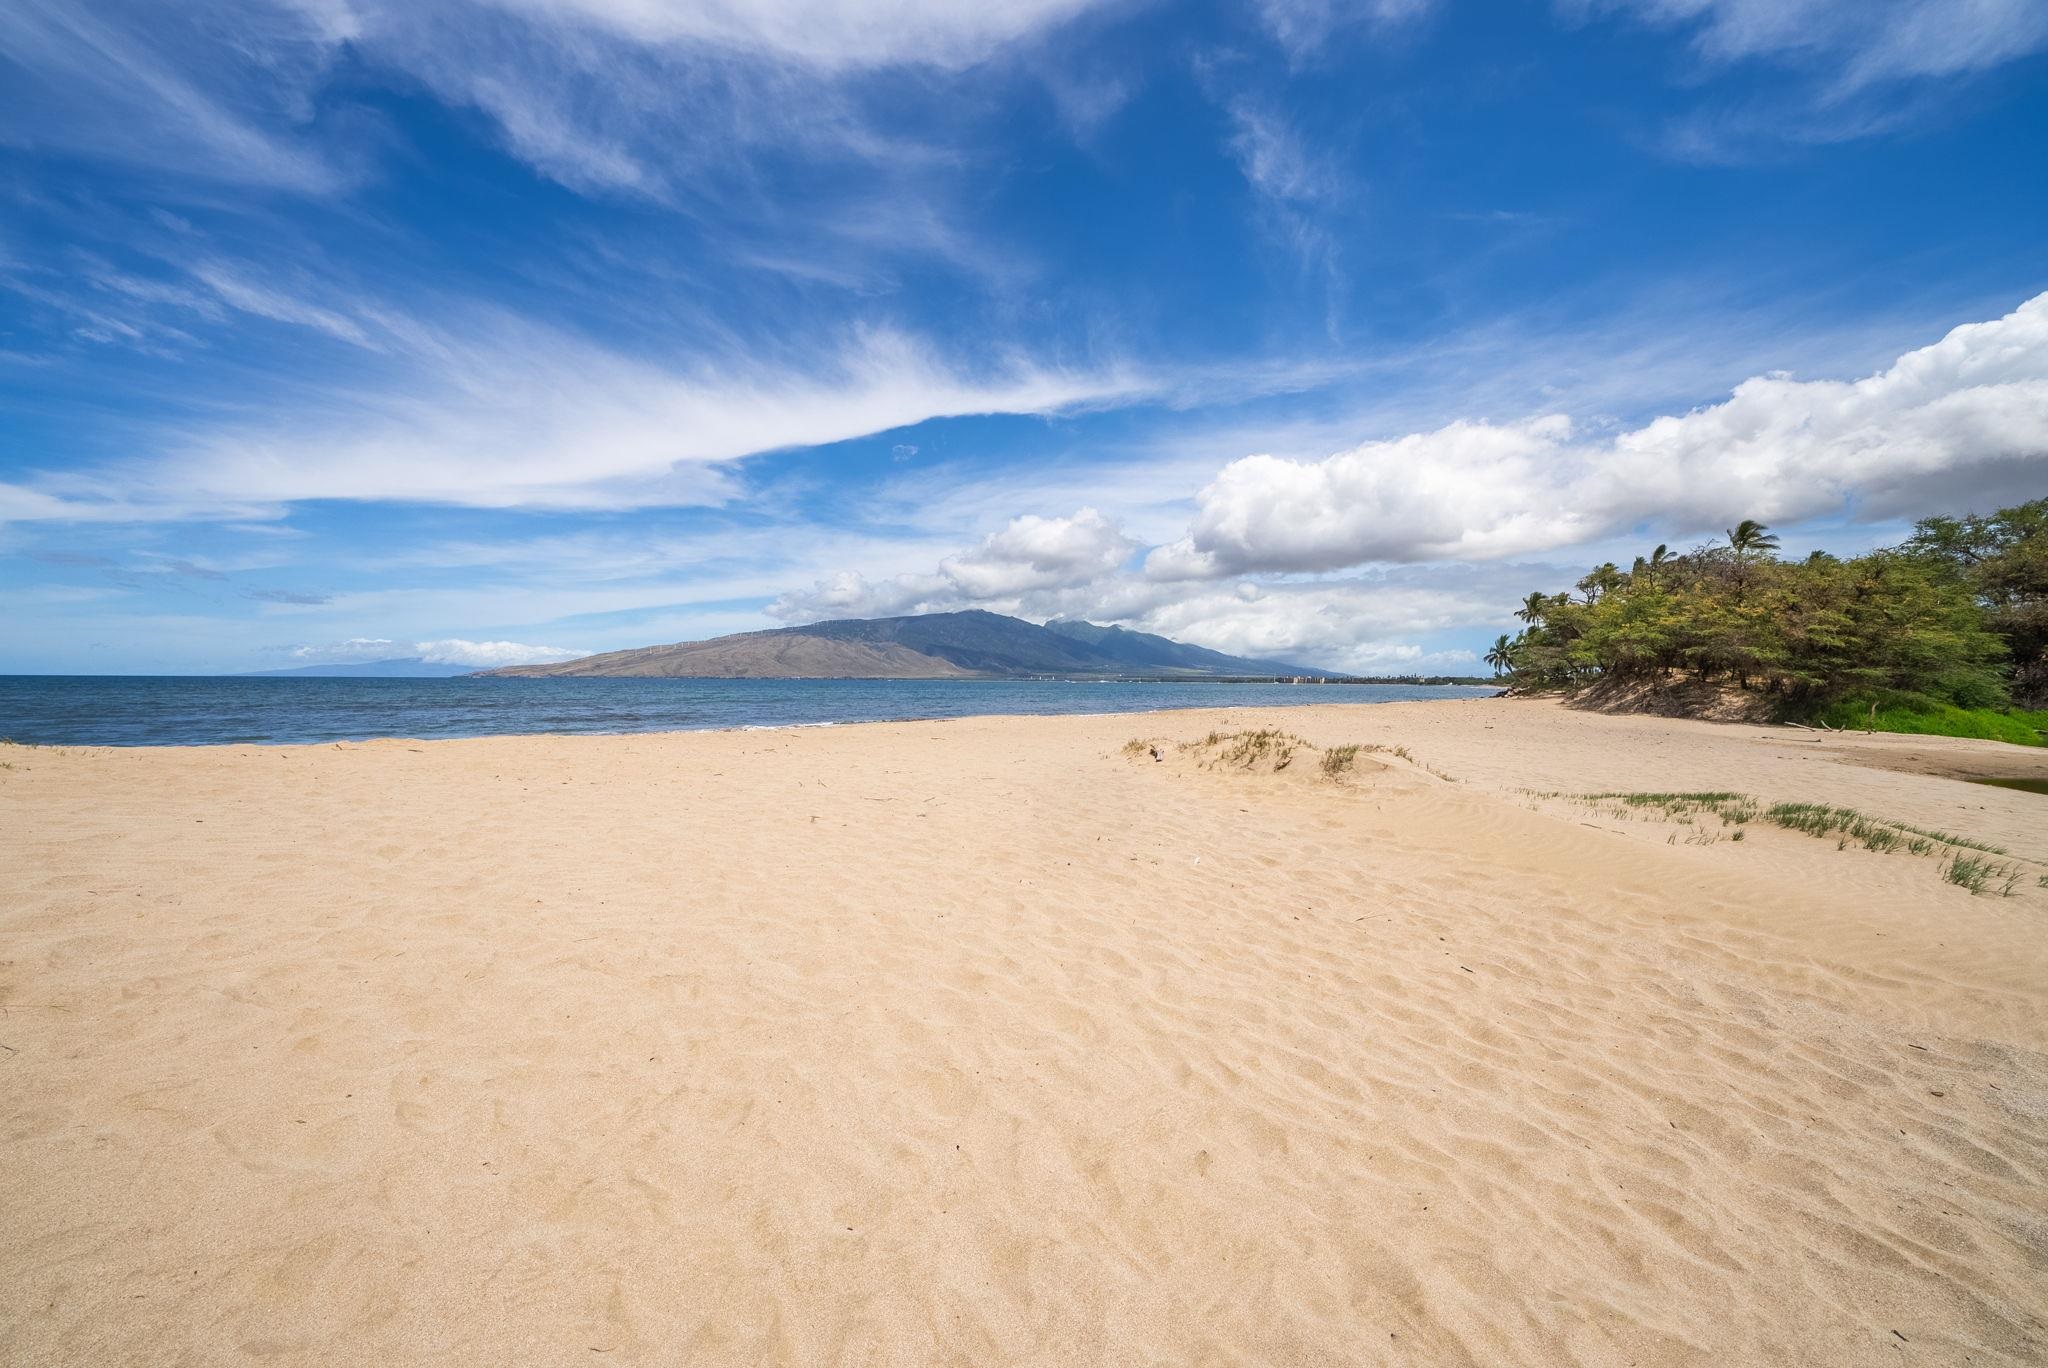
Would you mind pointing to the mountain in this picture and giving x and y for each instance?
(410, 668)
(967, 645)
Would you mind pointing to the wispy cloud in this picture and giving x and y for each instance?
(150, 90)
(485, 409)
(1304, 27)
(1857, 67)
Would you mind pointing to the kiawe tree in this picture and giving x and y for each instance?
(1924, 624)
(2002, 562)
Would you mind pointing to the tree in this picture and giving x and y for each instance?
(1751, 538)
(1603, 580)
(1498, 657)
(2002, 561)
(1908, 625)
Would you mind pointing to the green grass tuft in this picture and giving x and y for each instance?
(1819, 819)
(1980, 875)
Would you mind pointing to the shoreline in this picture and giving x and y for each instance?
(1473, 693)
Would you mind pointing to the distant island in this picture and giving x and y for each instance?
(965, 645)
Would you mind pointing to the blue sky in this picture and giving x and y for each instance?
(513, 329)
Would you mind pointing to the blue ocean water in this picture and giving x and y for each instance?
(117, 710)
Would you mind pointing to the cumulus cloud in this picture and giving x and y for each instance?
(1030, 556)
(1365, 624)
(1465, 490)
(1963, 419)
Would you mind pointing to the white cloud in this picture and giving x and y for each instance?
(159, 92)
(1963, 420)
(1030, 556)
(452, 651)
(1864, 41)
(1303, 26)
(455, 651)
(1466, 490)
(1853, 64)
(1274, 159)
(599, 94)
(354, 650)
(824, 33)
(497, 414)
(238, 292)
(1040, 553)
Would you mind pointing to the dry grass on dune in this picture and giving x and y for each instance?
(1252, 1039)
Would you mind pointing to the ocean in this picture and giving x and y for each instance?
(123, 710)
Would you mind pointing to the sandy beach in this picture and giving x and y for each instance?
(997, 1042)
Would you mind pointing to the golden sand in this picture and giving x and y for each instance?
(981, 1042)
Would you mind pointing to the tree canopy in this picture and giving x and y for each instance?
(1943, 617)
(2002, 561)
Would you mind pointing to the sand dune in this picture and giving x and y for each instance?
(985, 1042)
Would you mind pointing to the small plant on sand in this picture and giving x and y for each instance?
(1248, 749)
(1820, 819)
(1338, 759)
(1135, 748)
(1687, 809)
(1980, 875)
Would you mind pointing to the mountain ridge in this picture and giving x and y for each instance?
(972, 644)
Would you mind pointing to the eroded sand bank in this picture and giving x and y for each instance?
(982, 1042)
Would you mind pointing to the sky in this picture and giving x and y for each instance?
(1320, 330)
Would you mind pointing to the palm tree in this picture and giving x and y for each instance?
(1750, 537)
(1498, 657)
(1532, 608)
